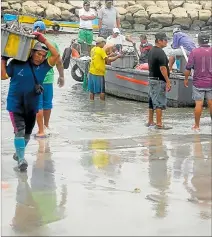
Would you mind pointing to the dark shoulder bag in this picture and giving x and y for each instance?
(38, 88)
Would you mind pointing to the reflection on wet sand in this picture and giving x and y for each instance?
(158, 173)
(200, 184)
(100, 161)
(37, 205)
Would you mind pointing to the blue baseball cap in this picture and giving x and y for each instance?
(40, 25)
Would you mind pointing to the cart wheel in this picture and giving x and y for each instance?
(56, 27)
(77, 74)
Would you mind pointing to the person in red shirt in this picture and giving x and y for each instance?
(145, 47)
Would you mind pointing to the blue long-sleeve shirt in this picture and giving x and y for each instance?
(182, 39)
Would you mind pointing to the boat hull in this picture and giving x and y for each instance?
(49, 23)
(133, 84)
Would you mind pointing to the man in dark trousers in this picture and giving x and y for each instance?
(159, 81)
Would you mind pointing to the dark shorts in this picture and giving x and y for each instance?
(23, 122)
(96, 84)
(157, 94)
(105, 33)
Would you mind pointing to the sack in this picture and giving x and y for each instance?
(38, 89)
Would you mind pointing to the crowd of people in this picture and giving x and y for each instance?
(31, 83)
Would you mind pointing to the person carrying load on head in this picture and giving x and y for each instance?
(180, 39)
(118, 39)
(108, 19)
(86, 15)
(24, 90)
(200, 60)
(45, 100)
(99, 58)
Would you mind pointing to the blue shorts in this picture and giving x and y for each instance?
(96, 84)
(157, 94)
(45, 99)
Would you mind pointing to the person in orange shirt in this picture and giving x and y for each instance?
(99, 59)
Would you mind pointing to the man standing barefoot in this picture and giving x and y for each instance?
(200, 59)
(159, 81)
(45, 100)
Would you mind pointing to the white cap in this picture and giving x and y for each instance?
(175, 30)
(116, 30)
(100, 39)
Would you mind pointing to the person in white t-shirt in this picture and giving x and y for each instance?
(86, 15)
(118, 39)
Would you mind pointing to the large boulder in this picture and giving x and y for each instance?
(175, 4)
(204, 15)
(55, 1)
(141, 13)
(170, 28)
(134, 9)
(129, 17)
(179, 12)
(185, 23)
(189, 6)
(193, 14)
(68, 16)
(53, 12)
(154, 9)
(139, 27)
(64, 6)
(13, 1)
(164, 19)
(146, 4)
(76, 4)
(43, 4)
(121, 10)
(209, 22)
(197, 25)
(5, 5)
(207, 28)
(32, 7)
(131, 3)
(65, 15)
(122, 18)
(141, 20)
(207, 5)
(162, 4)
(16, 6)
(154, 26)
(126, 25)
(121, 4)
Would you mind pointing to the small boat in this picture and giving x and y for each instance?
(55, 25)
(133, 84)
(130, 83)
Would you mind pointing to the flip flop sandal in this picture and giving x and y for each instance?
(150, 125)
(44, 136)
(162, 127)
